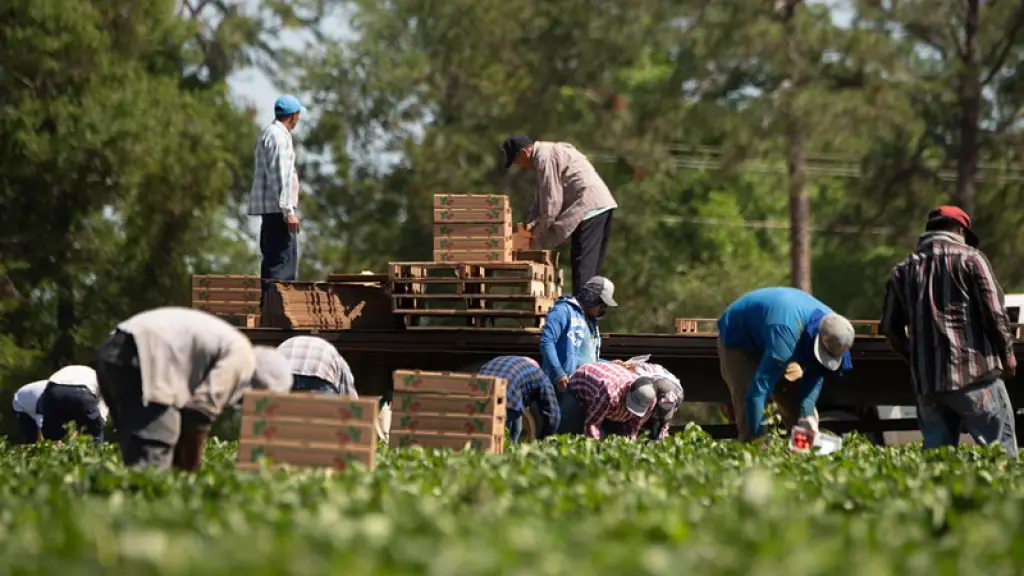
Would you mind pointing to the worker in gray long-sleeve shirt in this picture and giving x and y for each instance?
(570, 200)
(166, 375)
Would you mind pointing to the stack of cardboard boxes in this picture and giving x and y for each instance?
(448, 410)
(233, 297)
(307, 430)
(474, 228)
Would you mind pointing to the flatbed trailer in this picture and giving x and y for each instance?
(879, 376)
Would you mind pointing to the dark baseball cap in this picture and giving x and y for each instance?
(512, 146)
(954, 214)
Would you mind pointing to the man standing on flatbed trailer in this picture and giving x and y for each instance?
(774, 334)
(571, 200)
(944, 314)
(274, 195)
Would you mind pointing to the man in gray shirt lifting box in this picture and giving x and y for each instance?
(571, 200)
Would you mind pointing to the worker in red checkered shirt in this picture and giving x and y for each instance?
(606, 391)
(318, 367)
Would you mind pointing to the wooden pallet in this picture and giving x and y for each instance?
(472, 243)
(504, 305)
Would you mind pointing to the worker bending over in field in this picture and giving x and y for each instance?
(30, 423)
(602, 392)
(167, 373)
(668, 397)
(274, 195)
(570, 337)
(944, 314)
(72, 394)
(570, 200)
(527, 385)
(780, 333)
(669, 393)
(317, 367)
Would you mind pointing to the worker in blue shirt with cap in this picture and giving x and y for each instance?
(274, 195)
(774, 334)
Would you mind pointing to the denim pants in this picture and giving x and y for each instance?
(27, 428)
(983, 410)
(514, 424)
(60, 404)
(303, 383)
(279, 249)
(574, 419)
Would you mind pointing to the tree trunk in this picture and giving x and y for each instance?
(63, 351)
(796, 169)
(799, 211)
(969, 97)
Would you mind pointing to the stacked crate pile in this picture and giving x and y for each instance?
(472, 228)
(307, 430)
(448, 410)
(233, 297)
(482, 276)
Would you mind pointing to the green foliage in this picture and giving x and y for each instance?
(687, 505)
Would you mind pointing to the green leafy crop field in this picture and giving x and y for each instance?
(689, 505)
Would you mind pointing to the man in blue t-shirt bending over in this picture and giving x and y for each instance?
(779, 333)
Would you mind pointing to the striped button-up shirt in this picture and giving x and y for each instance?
(275, 181)
(312, 356)
(944, 313)
(526, 384)
(601, 389)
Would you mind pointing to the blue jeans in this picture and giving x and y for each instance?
(574, 419)
(572, 414)
(303, 383)
(280, 251)
(60, 404)
(27, 427)
(514, 424)
(983, 410)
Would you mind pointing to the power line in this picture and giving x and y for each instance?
(774, 224)
(812, 168)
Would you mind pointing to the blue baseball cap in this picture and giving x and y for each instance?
(288, 104)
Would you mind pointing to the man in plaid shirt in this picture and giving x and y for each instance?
(318, 367)
(274, 195)
(945, 315)
(527, 384)
(606, 391)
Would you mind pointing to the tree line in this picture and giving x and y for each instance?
(748, 142)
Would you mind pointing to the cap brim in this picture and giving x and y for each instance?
(609, 302)
(827, 360)
(971, 238)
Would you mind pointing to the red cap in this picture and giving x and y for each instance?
(956, 214)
